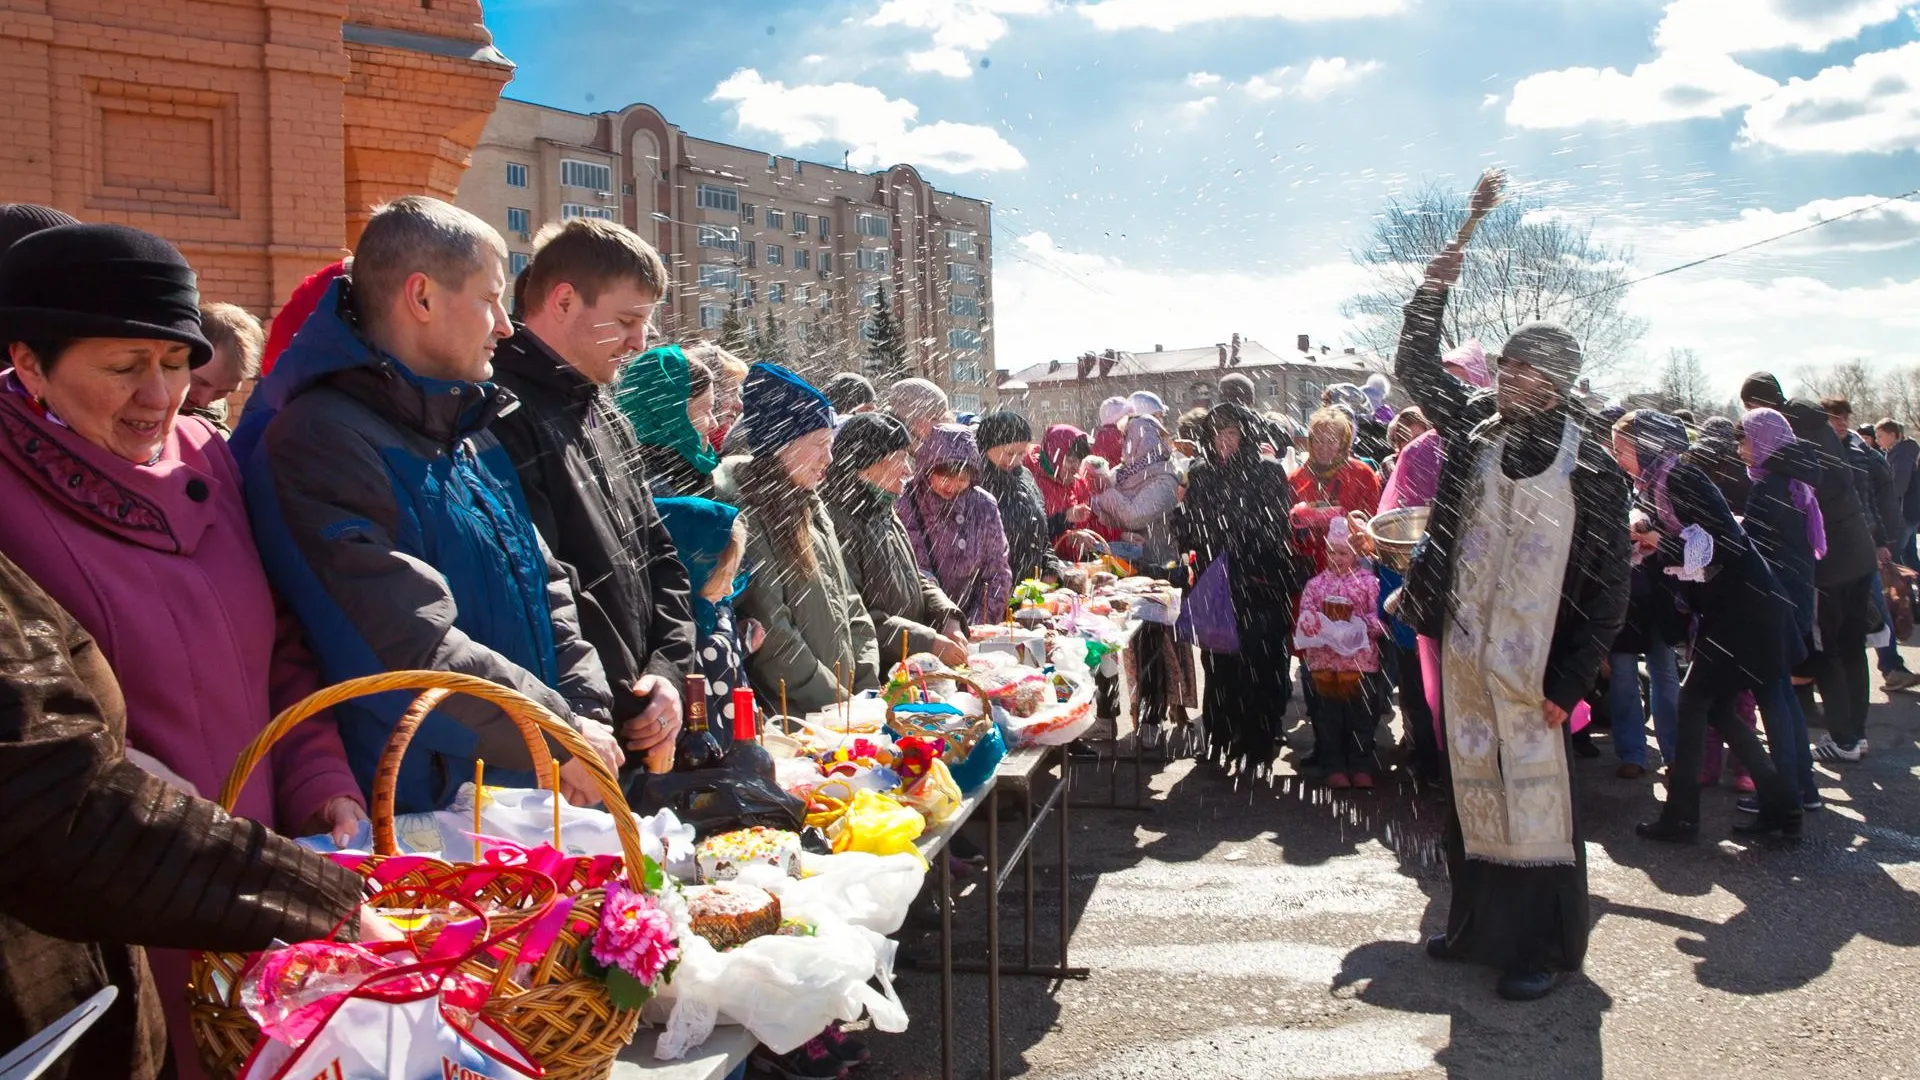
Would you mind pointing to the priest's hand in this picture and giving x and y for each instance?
(1556, 716)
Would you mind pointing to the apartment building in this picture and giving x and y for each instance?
(810, 246)
(1287, 382)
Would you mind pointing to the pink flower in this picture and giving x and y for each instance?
(635, 934)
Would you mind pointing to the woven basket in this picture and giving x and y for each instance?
(562, 1019)
(959, 743)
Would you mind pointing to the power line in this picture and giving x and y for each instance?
(1744, 247)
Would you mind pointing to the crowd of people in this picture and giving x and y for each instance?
(556, 503)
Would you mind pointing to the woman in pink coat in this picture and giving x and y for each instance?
(130, 516)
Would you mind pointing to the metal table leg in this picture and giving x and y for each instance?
(946, 966)
(993, 933)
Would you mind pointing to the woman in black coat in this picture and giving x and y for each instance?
(1236, 507)
(1742, 619)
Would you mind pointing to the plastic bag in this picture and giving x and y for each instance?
(877, 824)
(873, 891)
(715, 801)
(1060, 723)
(1207, 618)
(934, 795)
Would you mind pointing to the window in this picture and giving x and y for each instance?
(585, 174)
(966, 307)
(626, 189)
(746, 292)
(516, 174)
(826, 262)
(966, 403)
(746, 212)
(569, 211)
(870, 259)
(715, 236)
(963, 273)
(869, 295)
(799, 224)
(716, 197)
(752, 253)
(802, 259)
(963, 340)
(518, 220)
(873, 225)
(719, 277)
(773, 163)
(776, 255)
(800, 295)
(826, 301)
(959, 240)
(776, 219)
(823, 226)
(776, 293)
(711, 316)
(517, 262)
(963, 372)
(866, 330)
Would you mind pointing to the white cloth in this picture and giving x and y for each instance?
(1698, 555)
(1348, 637)
(1510, 783)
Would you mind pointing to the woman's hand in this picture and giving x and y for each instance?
(1556, 716)
(1078, 515)
(950, 652)
(341, 819)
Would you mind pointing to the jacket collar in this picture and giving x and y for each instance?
(527, 357)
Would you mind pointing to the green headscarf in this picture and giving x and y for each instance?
(653, 392)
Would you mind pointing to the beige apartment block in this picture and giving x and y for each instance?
(808, 244)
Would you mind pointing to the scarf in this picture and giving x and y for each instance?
(653, 391)
(1767, 431)
(1660, 440)
(1146, 446)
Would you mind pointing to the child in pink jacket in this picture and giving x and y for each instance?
(1336, 635)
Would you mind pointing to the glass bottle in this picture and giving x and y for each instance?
(696, 747)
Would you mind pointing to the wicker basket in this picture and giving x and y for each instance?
(562, 1019)
(960, 743)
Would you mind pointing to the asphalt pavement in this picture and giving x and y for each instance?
(1263, 929)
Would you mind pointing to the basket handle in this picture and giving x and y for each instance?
(533, 720)
(976, 729)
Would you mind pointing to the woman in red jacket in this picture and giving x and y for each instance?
(1330, 484)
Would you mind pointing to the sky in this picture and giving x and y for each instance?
(1174, 171)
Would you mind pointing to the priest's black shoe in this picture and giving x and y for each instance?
(1527, 985)
(1786, 826)
(1438, 948)
(1669, 831)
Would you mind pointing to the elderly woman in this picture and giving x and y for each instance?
(1330, 483)
(131, 517)
(919, 404)
(869, 471)
(955, 524)
(818, 630)
(668, 397)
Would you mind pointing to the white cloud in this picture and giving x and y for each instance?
(1199, 106)
(1050, 300)
(1869, 106)
(1672, 86)
(1737, 26)
(1778, 324)
(876, 129)
(1322, 77)
(1884, 228)
(1166, 15)
(813, 58)
(1200, 80)
(1489, 101)
(958, 28)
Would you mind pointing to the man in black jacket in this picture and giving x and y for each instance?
(1873, 479)
(1844, 577)
(588, 298)
(1903, 457)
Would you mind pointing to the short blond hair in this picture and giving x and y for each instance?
(719, 361)
(232, 327)
(1331, 416)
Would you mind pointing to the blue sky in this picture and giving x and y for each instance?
(1171, 171)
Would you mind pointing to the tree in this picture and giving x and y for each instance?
(1854, 380)
(734, 335)
(1525, 263)
(886, 343)
(1683, 383)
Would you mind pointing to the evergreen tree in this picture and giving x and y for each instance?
(887, 344)
(734, 334)
(773, 347)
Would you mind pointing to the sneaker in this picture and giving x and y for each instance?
(1898, 679)
(812, 1061)
(1812, 802)
(851, 1051)
(1828, 750)
(1743, 784)
(1338, 781)
(1749, 804)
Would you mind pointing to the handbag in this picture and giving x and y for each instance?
(1207, 618)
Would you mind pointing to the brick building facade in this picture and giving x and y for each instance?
(809, 244)
(254, 134)
(1288, 383)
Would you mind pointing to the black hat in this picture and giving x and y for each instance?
(866, 438)
(1763, 388)
(848, 391)
(1003, 427)
(82, 281)
(25, 219)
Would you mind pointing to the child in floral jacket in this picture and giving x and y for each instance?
(1336, 636)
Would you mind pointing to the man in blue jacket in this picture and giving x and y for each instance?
(389, 517)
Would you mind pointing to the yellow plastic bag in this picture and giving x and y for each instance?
(934, 794)
(878, 824)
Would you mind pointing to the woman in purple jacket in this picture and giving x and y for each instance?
(955, 526)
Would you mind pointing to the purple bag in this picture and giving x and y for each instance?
(1206, 614)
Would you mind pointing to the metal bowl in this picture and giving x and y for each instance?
(1396, 533)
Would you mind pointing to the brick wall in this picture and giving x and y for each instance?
(248, 132)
